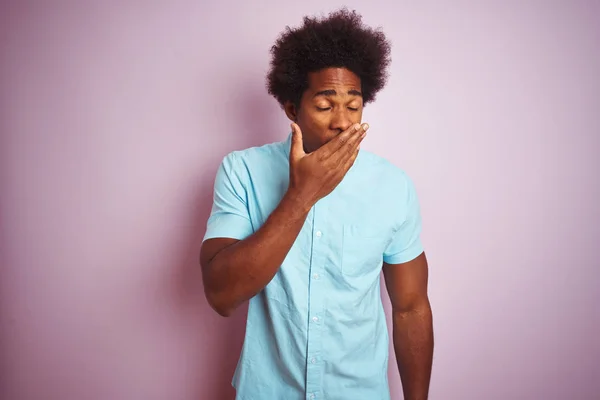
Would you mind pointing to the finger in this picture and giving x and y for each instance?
(357, 139)
(297, 147)
(351, 145)
(329, 148)
(349, 162)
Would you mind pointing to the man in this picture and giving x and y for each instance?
(303, 229)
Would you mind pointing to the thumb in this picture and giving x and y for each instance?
(297, 148)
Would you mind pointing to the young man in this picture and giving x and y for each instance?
(303, 229)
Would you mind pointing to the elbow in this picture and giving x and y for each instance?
(224, 311)
(221, 307)
(419, 306)
(216, 295)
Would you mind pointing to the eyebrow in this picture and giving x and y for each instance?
(331, 92)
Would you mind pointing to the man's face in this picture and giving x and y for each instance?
(330, 105)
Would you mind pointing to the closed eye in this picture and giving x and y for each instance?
(329, 108)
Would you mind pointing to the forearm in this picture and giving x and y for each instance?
(413, 345)
(240, 271)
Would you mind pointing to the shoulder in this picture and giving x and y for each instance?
(263, 156)
(385, 172)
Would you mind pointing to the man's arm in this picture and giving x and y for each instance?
(233, 271)
(412, 324)
(236, 270)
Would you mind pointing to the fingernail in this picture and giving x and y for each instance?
(356, 127)
(365, 127)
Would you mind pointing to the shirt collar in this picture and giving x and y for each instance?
(287, 145)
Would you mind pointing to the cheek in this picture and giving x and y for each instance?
(320, 121)
(357, 116)
(315, 130)
(314, 121)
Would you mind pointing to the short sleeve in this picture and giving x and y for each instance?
(229, 217)
(406, 244)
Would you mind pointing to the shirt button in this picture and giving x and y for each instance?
(315, 319)
(315, 276)
(312, 395)
(319, 234)
(313, 361)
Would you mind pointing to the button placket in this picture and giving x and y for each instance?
(314, 345)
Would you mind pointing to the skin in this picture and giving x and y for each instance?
(326, 137)
(330, 105)
(412, 323)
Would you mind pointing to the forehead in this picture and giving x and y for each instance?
(333, 77)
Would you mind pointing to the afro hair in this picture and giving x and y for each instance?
(340, 41)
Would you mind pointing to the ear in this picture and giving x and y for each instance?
(291, 111)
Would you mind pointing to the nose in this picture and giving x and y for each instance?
(340, 120)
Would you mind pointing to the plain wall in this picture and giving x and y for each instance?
(115, 116)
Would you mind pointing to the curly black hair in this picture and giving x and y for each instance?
(341, 41)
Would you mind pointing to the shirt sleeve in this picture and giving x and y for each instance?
(406, 244)
(229, 217)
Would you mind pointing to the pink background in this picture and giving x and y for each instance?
(114, 118)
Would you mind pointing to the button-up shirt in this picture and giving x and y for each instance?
(318, 329)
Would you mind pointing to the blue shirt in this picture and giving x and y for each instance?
(318, 329)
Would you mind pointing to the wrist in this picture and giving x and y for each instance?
(297, 204)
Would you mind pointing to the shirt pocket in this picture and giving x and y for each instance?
(362, 249)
